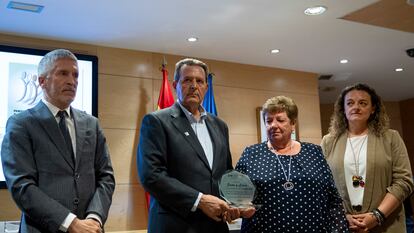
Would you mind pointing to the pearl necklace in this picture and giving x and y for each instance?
(288, 185)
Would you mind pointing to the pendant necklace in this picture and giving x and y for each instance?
(357, 180)
(288, 185)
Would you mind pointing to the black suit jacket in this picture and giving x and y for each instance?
(42, 176)
(173, 168)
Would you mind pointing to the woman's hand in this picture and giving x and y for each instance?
(361, 222)
(353, 223)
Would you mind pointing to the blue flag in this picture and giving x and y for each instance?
(209, 104)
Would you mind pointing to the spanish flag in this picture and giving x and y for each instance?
(165, 98)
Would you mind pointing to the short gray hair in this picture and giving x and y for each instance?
(189, 62)
(48, 61)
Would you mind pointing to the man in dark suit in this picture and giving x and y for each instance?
(182, 153)
(55, 158)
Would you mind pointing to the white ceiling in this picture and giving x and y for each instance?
(240, 31)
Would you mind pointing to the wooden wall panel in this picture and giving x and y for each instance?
(249, 76)
(122, 146)
(263, 78)
(158, 59)
(8, 209)
(309, 116)
(124, 100)
(237, 107)
(123, 62)
(238, 142)
(128, 210)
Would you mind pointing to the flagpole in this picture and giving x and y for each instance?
(164, 62)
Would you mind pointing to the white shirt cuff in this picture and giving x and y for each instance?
(196, 202)
(96, 217)
(66, 223)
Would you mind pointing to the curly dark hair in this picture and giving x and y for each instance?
(378, 122)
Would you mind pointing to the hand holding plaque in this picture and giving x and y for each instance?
(237, 189)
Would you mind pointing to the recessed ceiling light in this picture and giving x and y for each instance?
(274, 51)
(25, 6)
(399, 69)
(343, 61)
(192, 39)
(316, 10)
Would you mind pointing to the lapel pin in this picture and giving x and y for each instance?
(186, 134)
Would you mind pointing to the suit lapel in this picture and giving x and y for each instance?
(183, 126)
(80, 129)
(48, 122)
(215, 136)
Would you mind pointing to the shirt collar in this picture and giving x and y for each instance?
(54, 110)
(190, 116)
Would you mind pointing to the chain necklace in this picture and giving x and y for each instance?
(288, 185)
(357, 180)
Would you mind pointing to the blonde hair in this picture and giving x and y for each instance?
(281, 104)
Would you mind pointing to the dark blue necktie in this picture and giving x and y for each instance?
(64, 130)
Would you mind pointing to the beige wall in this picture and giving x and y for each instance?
(129, 83)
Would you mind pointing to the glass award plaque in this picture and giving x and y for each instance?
(237, 189)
